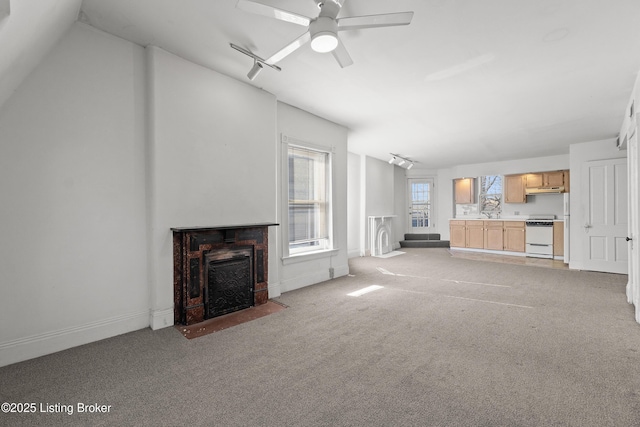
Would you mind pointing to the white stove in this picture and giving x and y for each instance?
(539, 236)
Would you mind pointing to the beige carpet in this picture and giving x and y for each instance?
(444, 342)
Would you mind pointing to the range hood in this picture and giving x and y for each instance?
(544, 190)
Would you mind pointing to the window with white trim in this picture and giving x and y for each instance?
(309, 193)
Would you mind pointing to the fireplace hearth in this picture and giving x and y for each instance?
(219, 270)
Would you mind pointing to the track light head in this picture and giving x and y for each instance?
(255, 70)
(404, 162)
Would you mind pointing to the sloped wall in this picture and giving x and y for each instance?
(72, 185)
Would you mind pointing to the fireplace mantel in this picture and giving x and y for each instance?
(197, 253)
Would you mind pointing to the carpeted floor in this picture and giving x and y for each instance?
(444, 342)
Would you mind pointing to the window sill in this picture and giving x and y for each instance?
(308, 256)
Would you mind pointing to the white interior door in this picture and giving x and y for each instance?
(606, 214)
(633, 162)
(420, 205)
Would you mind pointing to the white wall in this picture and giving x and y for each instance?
(213, 151)
(400, 204)
(581, 153)
(380, 191)
(354, 197)
(72, 185)
(303, 126)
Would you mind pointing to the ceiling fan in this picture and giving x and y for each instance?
(323, 30)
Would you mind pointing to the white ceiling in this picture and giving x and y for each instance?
(467, 82)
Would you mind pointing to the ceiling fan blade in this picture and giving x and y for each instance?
(341, 55)
(272, 12)
(373, 21)
(288, 49)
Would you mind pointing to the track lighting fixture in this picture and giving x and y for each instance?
(255, 70)
(401, 161)
(258, 63)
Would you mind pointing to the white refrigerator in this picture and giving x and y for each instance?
(566, 215)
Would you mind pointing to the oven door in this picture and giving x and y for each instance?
(539, 240)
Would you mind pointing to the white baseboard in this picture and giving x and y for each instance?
(274, 290)
(33, 346)
(159, 319)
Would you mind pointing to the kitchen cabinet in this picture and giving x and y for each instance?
(464, 191)
(546, 179)
(514, 236)
(493, 235)
(475, 234)
(558, 238)
(457, 234)
(514, 189)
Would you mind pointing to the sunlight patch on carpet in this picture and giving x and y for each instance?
(365, 290)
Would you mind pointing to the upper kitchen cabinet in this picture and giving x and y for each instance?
(514, 189)
(464, 190)
(548, 180)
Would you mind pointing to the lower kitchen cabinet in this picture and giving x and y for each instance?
(493, 235)
(475, 234)
(558, 238)
(514, 236)
(457, 233)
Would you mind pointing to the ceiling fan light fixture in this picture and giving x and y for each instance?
(324, 34)
(324, 42)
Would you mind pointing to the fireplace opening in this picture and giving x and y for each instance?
(219, 270)
(229, 286)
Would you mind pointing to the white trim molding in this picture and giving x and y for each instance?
(159, 319)
(33, 346)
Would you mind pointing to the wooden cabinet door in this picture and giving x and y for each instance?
(514, 236)
(553, 179)
(493, 235)
(457, 234)
(464, 193)
(475, 234)
(534, 180)
(558, 238)
(514, 189)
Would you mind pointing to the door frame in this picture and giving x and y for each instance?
(608, 264)
(633, 165)
(432, 214)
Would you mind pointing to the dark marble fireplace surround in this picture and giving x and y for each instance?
(219, 270)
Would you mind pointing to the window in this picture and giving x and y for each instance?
(490, 195)
(420, 207)
(309, 190)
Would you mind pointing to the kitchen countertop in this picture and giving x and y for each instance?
(507, 218)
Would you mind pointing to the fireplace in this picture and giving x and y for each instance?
(380, 234)
(219, 270)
